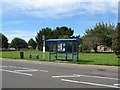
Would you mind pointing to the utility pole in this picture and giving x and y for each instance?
(43, 38)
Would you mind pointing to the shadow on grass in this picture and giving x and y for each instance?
(70, 60)
(85, 61)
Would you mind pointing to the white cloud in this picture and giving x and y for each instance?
(26, 35)
(62, 8)
(18, 33)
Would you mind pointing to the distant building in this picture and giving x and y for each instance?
(102, 48)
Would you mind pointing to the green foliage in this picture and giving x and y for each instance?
(59, 32)
(84, 48)
(116, 40)
(101, 34)
(18, 43)
(3, 41)
(64, 37)
(48, 34)
(32, 43)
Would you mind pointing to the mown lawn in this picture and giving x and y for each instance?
(84, 58)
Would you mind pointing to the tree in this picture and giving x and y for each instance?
(64, 37)
(84, 48)
(32, 43)
(48, 34)
(18, 43)
(3, 41)
(116, 40)
(101, 34)
(91, 42)
(60, 31)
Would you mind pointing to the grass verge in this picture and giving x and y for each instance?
(109, 59)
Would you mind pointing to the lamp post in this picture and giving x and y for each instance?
(43, 38)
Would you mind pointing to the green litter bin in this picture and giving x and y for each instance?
(21, 54)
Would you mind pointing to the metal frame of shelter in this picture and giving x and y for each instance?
(54, 43)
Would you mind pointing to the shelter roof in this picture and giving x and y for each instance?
(57, 40)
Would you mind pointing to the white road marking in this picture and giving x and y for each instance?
(95, 84)
(20, 71)
(17, 72)
(3, 66)
(26, 70)
(96, 77)
(20, 67)
(29, 69)
(77, 75)
(66, 76)
(43, 70)
(116, 84)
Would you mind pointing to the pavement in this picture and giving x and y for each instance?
(18, 73)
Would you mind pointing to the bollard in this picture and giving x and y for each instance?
(21, 54)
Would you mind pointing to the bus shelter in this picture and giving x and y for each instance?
(63, 49)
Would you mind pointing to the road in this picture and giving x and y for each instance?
(35, 74)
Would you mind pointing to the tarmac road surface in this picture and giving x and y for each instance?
(39, 74)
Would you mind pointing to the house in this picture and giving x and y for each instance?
(102, 48)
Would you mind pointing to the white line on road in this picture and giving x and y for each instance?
(31, 70)
(77, 75)
(20, 67)
(96, 77)
(66, 76)
(26, 70)
(116, 84)
(17, 72)
(43, 70)
(95, 84)
(3, 66)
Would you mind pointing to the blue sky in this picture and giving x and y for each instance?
(25, 18)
